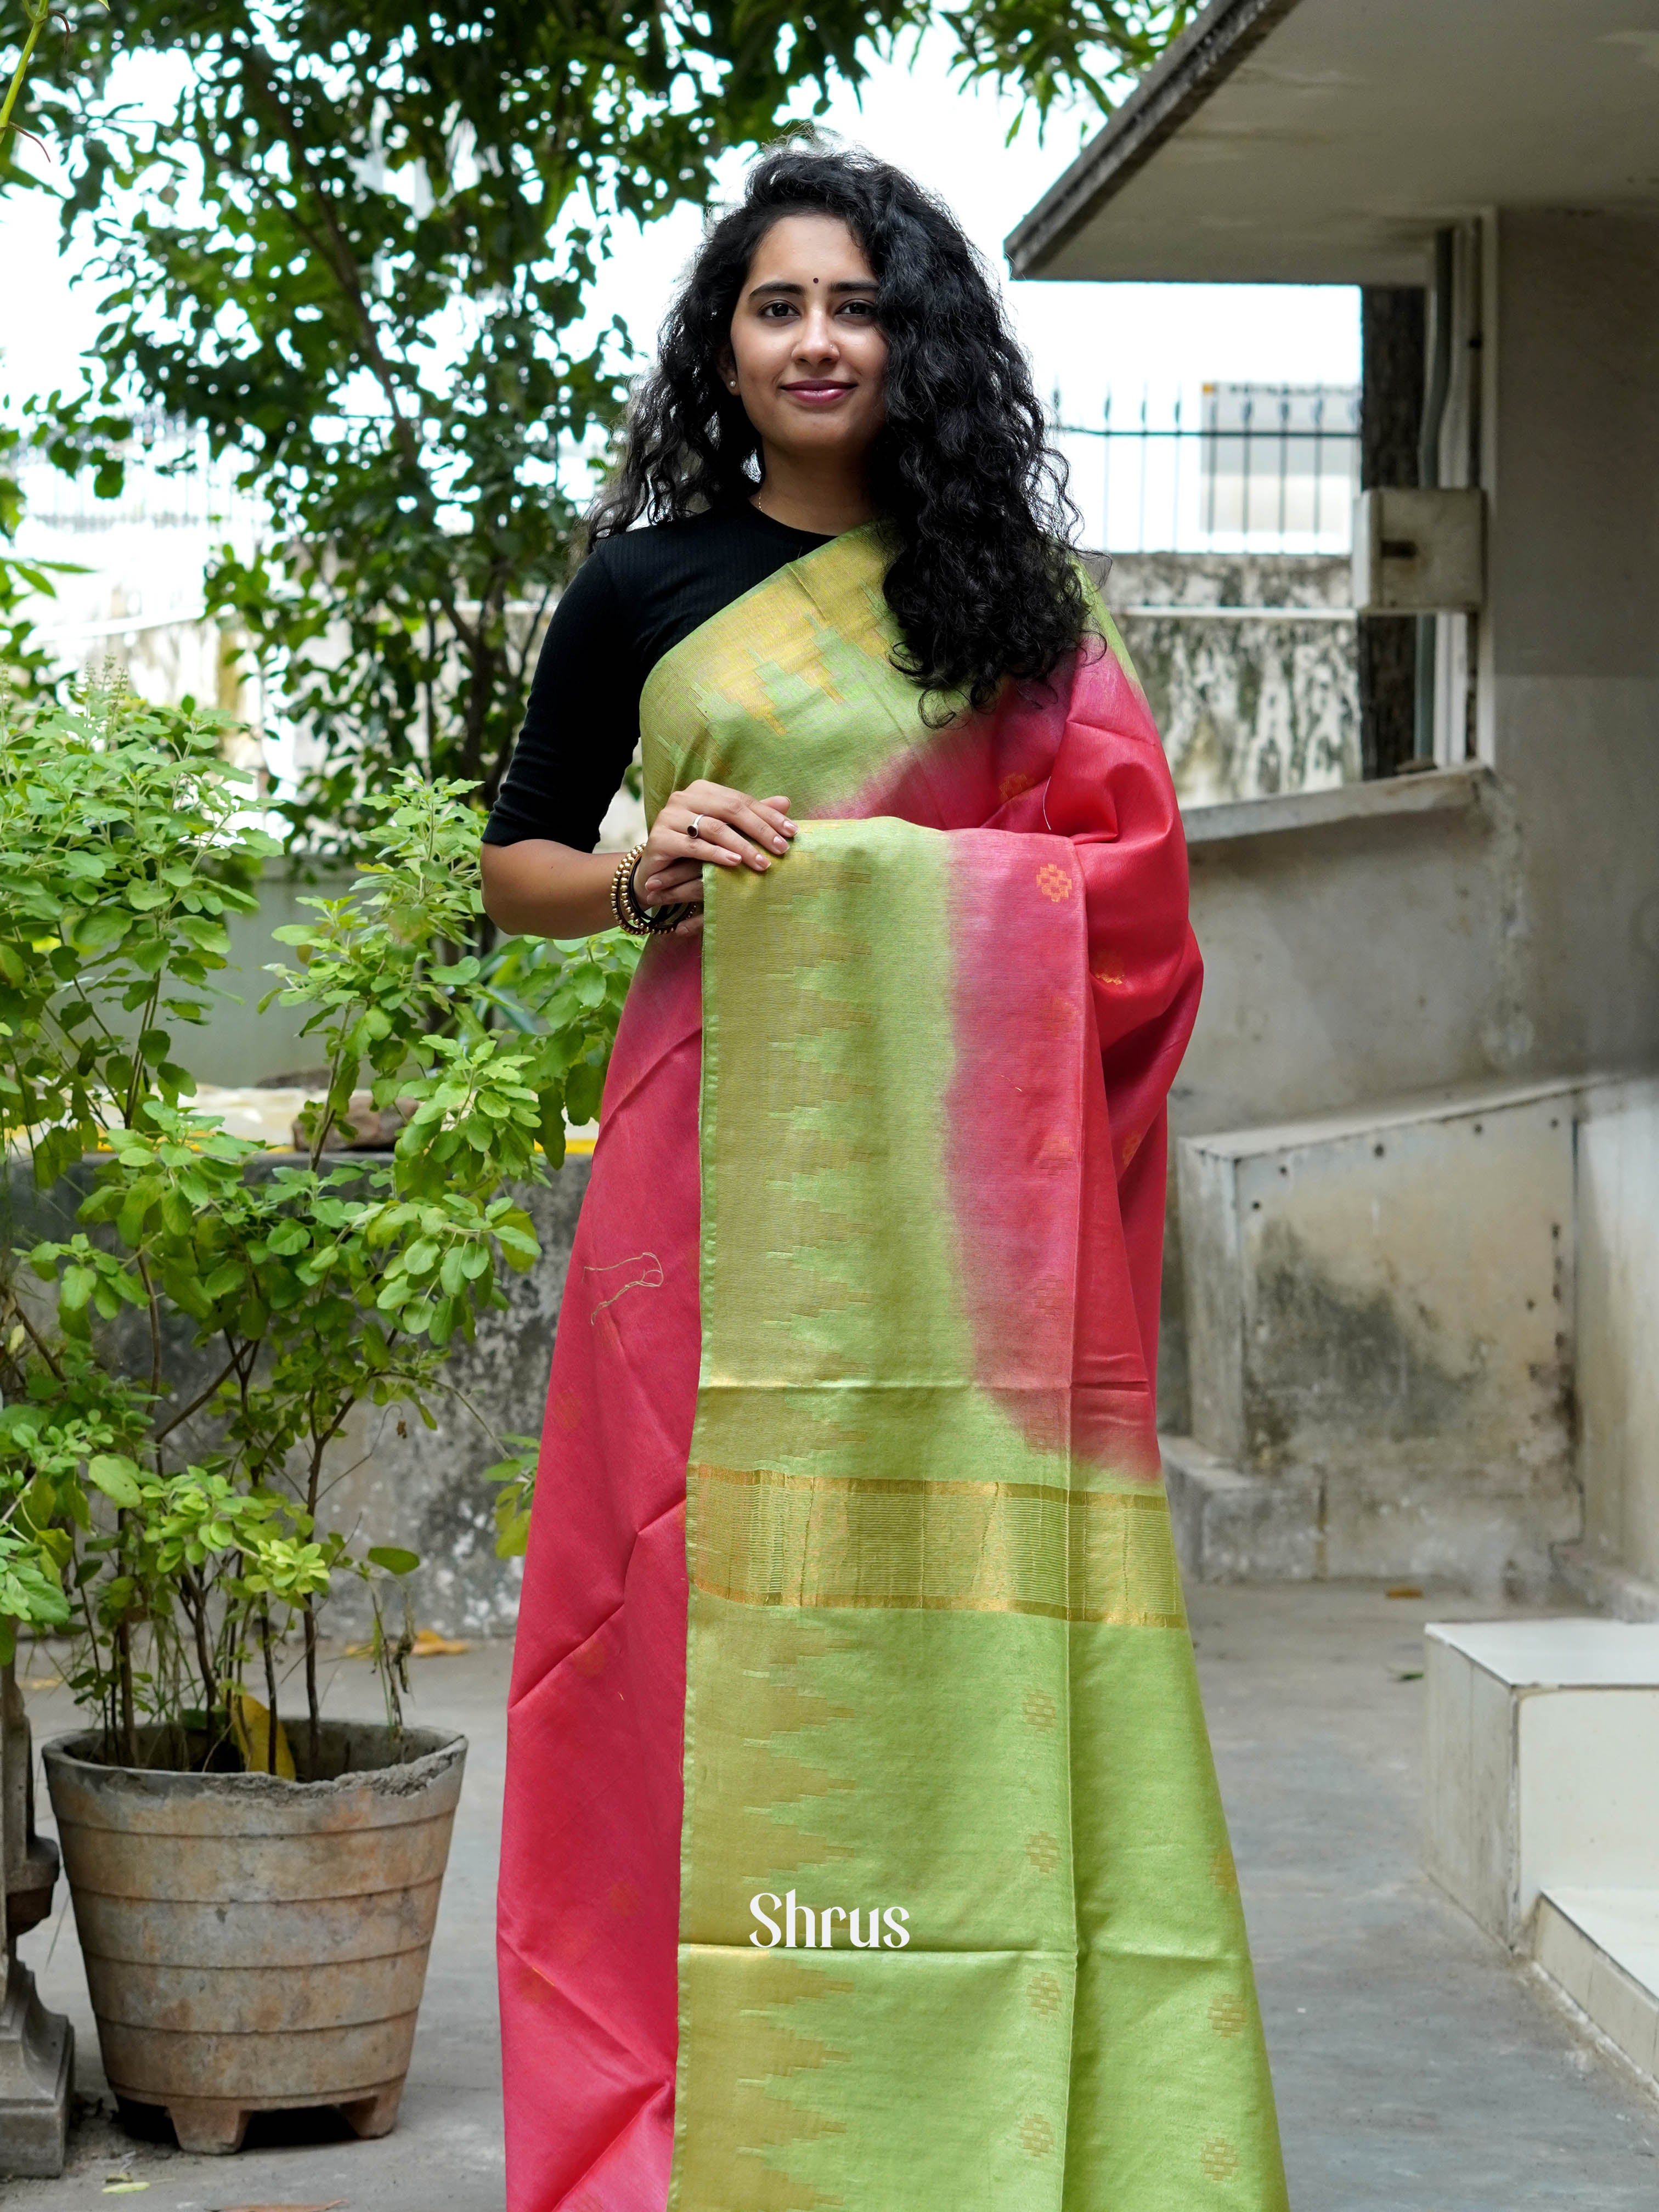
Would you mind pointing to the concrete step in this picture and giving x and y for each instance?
(1605, 1584)
(1542, 1763)
(1234, 1528)
(1602, 1948)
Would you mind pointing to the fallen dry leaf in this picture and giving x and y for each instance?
(427, 1644)
(1404, 1590)
(249, 1725)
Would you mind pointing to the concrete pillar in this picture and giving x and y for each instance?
(1568, 704)
(37, 2047)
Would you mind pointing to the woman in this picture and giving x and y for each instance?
(862, 1842)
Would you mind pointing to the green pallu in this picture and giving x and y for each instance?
(925, 1660)
(959, 1924)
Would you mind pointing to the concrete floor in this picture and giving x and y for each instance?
(1417, 2067)
(1419, 2070)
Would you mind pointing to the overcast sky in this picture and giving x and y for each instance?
(1083, 338)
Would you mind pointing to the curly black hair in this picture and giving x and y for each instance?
(981, 583)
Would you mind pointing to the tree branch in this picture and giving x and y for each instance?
(336, 249)
(195, 1403)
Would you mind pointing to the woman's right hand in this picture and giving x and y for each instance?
(732, 831)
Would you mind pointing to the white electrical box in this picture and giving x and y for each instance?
(1418, 552)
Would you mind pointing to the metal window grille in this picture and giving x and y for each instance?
(171, 483)
(1263, 469)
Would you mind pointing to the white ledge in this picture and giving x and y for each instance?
(1436, 791)
(1199, 610)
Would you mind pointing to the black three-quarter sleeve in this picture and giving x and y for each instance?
(581, 724)
(636, 596)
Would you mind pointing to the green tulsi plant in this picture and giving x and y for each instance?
(178, 1360)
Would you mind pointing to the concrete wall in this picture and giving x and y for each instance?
(1383, 947)
(1352, 948)
(1570, 646)
(1379, 1323)
(1419, 1340)
(1497, 920)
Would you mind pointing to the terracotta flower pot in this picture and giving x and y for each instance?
(253, 1944)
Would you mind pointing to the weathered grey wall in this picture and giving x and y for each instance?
(1355, 948)
(1246, 709)
(1352, 952)
(239, 1045)
(1497, 920)
(1380, 1322)
(424, 1487)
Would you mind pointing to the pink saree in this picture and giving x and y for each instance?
(862, 1846)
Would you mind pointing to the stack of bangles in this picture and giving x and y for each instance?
(636, 919)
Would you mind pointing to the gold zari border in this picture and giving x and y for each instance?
(764, 1537)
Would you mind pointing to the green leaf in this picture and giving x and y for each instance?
(551, 1129)
(97, 932)
(513, 1534)
(584, 1088)
(395, 1560)
(187, 1293)
(117, 1477)
(58, 1546)
(39, 1501)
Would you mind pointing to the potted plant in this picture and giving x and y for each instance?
(255, 1886)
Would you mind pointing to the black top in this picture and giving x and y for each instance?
(633, 600)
